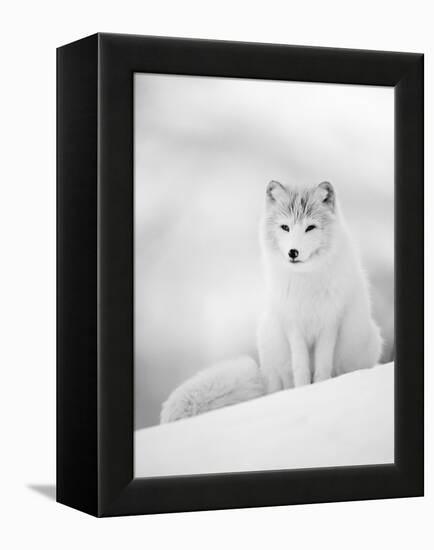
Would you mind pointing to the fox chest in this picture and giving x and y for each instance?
(309, 309)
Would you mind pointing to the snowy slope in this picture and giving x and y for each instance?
(345, 421)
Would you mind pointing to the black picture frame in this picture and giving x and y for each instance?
(95, 375)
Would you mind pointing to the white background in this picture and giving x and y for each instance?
(30, 32)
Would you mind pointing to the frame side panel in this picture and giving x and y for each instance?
(77, 77)
(409, 249)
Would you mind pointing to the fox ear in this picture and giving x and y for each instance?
(276, 191)
(326, 194)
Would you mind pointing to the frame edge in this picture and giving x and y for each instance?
(76, 371)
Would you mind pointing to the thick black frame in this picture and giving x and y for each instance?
(95, 274)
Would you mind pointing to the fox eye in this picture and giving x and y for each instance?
(284, 227)
(310, 227)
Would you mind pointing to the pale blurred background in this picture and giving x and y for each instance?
(204, 150)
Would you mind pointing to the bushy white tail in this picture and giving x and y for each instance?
(225, 383)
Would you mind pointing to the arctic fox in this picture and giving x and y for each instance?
(317, 321)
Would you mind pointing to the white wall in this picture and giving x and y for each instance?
(30, 31)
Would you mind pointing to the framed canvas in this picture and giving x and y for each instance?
(240, 275)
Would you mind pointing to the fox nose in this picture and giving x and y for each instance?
(293, 253)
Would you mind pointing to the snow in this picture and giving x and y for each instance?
(344, 421)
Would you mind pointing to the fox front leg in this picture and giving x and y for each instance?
(299, 359)
(324, 354)
(274, 355)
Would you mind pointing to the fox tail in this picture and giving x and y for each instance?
(224, 383)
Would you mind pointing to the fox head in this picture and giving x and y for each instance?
(299, 224)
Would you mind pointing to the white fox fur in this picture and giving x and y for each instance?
(225, 383)
(317, 321)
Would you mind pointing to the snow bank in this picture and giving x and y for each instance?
(345, 421)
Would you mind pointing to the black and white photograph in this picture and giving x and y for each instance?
(216, 289)
(263, 275)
